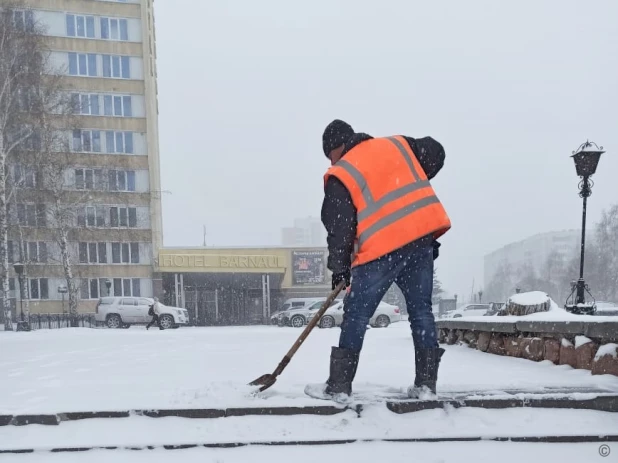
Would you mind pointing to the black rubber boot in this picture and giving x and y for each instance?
(427, 363)
(343, 365)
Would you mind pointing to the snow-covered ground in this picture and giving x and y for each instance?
(443, 452)
(86, 370)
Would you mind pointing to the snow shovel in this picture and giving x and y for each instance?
(268, 380)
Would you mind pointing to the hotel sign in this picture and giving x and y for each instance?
(210, 263)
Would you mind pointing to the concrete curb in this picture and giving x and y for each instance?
(207, 413)
(607, 402)
(555, 439)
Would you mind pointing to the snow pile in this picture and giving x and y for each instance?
(566, 343)
(530, 298)
(581, 340)
(607, 349)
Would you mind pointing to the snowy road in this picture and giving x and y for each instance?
(52, 371)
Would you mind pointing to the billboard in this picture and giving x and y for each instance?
(308, 268)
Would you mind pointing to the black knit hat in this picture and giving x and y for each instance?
(335, 135)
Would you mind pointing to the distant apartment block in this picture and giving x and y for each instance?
(307, 231)
(533, 250)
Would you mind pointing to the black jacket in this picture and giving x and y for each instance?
(339, 212)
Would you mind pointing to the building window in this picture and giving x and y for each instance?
(23, 20)
(114, 29)
(91, 216)
(89, 179)
(32, 215)
(125, 253)
(82, 64)
(24, 176)
(30, 143)
(119, 142)
(86, 104)
(120, 180)
(35, 251)
(114, 105)
(123, 217)
(127, 287)
(86, 141)
(80, 26)
(117, 67)
(39, 288)
(134, 253)
(93, 288)
(92, 253)
(9, 249)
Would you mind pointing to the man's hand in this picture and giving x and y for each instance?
(341, 276)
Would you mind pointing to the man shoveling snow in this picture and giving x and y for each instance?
(380, 206)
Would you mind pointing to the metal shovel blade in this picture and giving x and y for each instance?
(265, 381)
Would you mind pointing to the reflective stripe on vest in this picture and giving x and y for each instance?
(374, 216)
(373, 206)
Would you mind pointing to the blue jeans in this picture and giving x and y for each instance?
(411, 268)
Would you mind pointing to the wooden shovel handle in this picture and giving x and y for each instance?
(314, 321)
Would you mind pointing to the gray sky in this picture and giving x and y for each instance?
(509, 88)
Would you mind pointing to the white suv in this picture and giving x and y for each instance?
(122, 312)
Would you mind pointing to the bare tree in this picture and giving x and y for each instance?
(22, 63)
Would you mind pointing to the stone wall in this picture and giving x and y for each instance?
(591, 346)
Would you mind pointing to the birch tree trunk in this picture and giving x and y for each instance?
(63, 243)
(4, 230)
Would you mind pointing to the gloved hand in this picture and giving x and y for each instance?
(341, 276)
(436, 249)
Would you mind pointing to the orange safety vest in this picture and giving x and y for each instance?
(395, 203)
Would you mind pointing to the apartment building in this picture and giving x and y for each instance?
(105, 50)
(307, 231)
(533, 251)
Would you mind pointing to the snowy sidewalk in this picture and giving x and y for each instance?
(51, 371)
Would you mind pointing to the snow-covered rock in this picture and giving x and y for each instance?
(610, 349)
(606, 360)
(581, 340)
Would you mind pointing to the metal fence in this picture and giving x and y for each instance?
(52, 321)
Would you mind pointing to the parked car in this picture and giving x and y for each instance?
(300, 317)
(494, 308)
(292, 304)
(469, 310)
(122, 312)
(384, 315)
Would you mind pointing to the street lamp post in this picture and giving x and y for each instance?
(586, 160)
(22, 324)
(62, 289)
(108, 283)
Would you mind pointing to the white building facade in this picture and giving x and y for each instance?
(533, 251)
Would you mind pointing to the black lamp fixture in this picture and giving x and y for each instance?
(586, 160)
